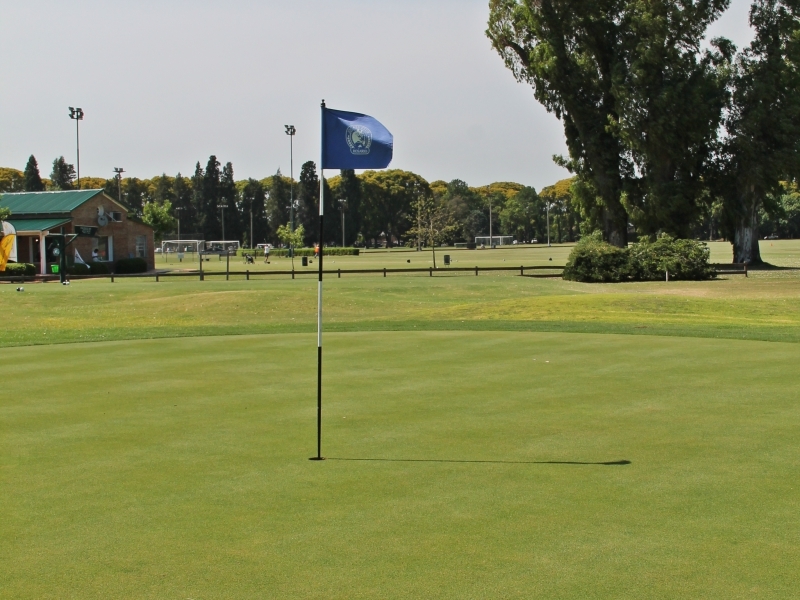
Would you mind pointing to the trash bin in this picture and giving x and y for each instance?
(446, 260)
(305, 261)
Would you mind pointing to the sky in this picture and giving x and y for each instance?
(166, 83)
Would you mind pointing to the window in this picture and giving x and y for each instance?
(141, 246)
(101, 249)
(115, 217)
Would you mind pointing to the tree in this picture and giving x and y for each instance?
(762, 145)
(467, 208)
(212, 223)
(182, 206)
(11, 180)
(63, 174)
(277, 205)
(521, 214)
(349, 190)
(387, 200)
(291, 239)
(640, 110)
(670, 105)
(134, 193)
(229, 196)
(254, 199)
(434, 223)
(570, 52)
(158, 215)
(33, 181)
(4, 213)
(308, 200)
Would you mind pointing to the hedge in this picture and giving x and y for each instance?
(594, 261)
(20, 270)
(126, 266)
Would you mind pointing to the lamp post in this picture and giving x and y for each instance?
(119, 171)
(77, 114)
(290, 131)
(342, 207)
(548, 223)
(222, 208)
(178, 210)
(491, 237)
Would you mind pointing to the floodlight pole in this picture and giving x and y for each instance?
(290, 131)
(119, 171)
(77, 115)
(548, 223)
(342, 206)
(491, 237)
(222, 208)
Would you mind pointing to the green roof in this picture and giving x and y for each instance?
(36, 224)
(31, 203)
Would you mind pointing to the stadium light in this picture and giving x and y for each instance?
(119, 171)
(77, 114)
(290, 131)
(342, 207)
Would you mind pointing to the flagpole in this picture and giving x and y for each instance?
(319, 283)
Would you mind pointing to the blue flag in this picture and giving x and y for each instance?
(354, 141)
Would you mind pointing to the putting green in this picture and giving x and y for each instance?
(461, 465)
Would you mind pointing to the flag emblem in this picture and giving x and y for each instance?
(359, 139)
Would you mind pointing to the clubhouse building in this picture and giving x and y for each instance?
(107, 233)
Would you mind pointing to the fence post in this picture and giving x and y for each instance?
(476, 270)
(430, 271)
(248, 274)
(745, 269)
(112, 278)
(384, 271)
(340, 273)
(520, 270)
(292, 272)
(156, 277)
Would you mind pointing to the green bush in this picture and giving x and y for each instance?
(684, 260)
(79, 269)
(126, 266)
(20, 270)
(594, 261)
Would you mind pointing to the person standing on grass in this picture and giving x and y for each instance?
(266, 254)
(316, 250)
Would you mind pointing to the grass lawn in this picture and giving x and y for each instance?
(462, 465)
(469, 423)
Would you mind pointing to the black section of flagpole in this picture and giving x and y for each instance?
(319, 348)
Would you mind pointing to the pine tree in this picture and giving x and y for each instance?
(228, 196)
(63, 174)
(33, 181)
(198, 200)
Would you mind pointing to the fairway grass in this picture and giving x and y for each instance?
(461, 465)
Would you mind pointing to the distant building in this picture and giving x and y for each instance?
(35, 215)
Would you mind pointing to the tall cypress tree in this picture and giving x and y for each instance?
(308, 201)
(212, 224)
(198, 201)
(229, 197)
(33, 181)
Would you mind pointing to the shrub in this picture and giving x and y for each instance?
(130, 265)
(79, 269)
(594, 261)
(20, 270)
(99, 268)
(684, 259)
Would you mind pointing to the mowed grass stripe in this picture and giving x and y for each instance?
(178, 468)
(740, 308)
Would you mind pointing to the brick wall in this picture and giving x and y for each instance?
(123, 233)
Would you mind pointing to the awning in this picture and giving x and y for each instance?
(36, 226)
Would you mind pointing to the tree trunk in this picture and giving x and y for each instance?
(745, 241)
(616, 226)
(433, 249)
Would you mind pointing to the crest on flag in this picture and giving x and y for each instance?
(359, 139)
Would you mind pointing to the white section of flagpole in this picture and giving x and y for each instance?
(319, 283)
